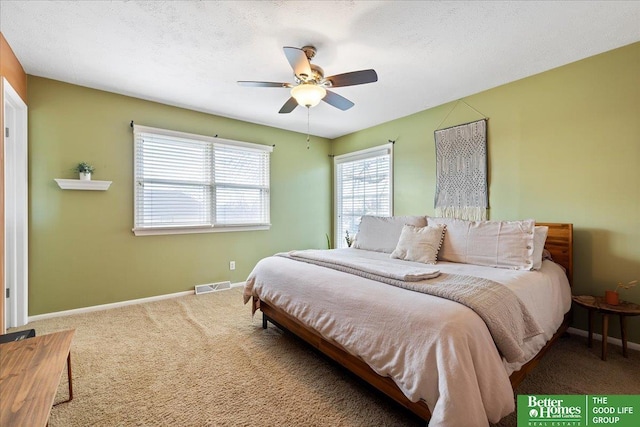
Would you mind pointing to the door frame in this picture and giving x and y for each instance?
(16, 204)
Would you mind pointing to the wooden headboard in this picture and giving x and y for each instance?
(560, 245)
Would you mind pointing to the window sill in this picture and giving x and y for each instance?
(198, 230)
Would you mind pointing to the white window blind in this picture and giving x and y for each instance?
(192, 183)
(363, 186)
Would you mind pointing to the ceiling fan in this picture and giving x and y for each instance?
(310, 85)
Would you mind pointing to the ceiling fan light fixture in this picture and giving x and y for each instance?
(308, 95)
(310, 85)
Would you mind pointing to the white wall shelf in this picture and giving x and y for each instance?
(76, 184)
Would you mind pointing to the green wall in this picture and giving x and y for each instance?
(82, 251)
(564, 146)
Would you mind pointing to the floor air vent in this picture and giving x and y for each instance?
(212, 287)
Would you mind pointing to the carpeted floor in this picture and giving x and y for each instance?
(203, 361)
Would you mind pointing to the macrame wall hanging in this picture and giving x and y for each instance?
(461, 171)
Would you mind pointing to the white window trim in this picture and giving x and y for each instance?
(353, 156)
(153, 231)
(197, 230)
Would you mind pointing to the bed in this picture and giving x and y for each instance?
(462, 377)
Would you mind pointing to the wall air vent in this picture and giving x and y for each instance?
(212, 287)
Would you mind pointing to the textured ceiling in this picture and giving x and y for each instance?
(191, 53)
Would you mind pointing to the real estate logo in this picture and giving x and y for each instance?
(552, 410)
(578, 410)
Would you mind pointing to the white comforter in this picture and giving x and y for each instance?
(434, 349)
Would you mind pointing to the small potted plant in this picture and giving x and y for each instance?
(348, 238)
(612, 297)
(84, 171)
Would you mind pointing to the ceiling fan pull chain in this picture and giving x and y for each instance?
(308, 114)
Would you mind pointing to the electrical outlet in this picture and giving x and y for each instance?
(232, 265)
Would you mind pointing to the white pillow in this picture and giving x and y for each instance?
(420, 244)
(501, 244)
(539, 238)
(381, 233)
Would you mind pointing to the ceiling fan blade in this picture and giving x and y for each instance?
(353, 78)
(289, 106)
(263, 84)
(337, 101)
(299, 62)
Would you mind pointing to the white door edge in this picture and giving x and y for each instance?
(16, 187)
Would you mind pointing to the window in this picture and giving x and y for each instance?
(363, 186)
(186, 183)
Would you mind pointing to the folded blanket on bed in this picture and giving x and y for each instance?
(376, 268)
(506, 317)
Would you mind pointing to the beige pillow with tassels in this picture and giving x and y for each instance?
(420, 244)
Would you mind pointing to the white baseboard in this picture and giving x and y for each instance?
(115, 304)
(610, 340)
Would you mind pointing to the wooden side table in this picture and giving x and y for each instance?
(597, 304)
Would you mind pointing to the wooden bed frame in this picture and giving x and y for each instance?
(559, 243)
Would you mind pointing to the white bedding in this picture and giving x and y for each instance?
(434, 349)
